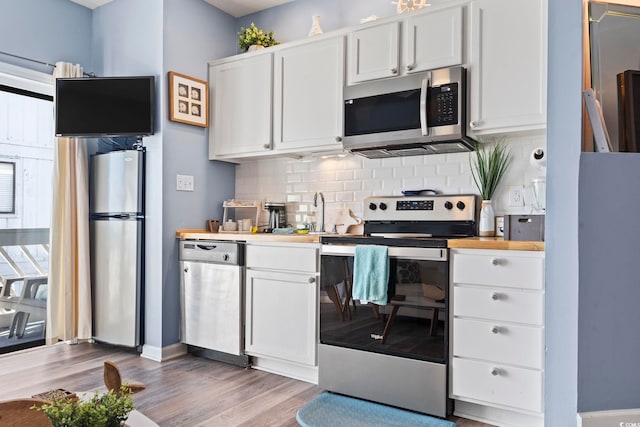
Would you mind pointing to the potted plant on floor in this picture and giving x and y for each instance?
(108, 409)
(489, 164)
(253, 38)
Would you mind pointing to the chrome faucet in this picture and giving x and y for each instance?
(315, 205)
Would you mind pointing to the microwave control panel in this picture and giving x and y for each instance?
(443, 105)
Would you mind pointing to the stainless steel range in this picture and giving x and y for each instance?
(396, 353)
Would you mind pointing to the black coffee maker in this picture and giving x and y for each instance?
(277, 216)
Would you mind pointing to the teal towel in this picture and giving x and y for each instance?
(371, 274)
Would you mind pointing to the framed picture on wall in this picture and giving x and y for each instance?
(188, 100)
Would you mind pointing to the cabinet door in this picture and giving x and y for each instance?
(241, 115)
(280, 316)
(508, 65)
(433, 40)
(308, 100)
(373, 53)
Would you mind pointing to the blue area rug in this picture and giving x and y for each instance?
(334, 410)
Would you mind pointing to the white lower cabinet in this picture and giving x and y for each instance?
(281, 309)
(497, 341)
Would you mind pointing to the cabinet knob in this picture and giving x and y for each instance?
(495, 261)
(409, 67)
(495, 372)
(495, 330)
(338, 139)
(474, 124)
(186, 269)
(495, 296)
(394, 70)
(312, 279)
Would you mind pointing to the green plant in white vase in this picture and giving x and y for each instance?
(488, 165)
(254, 36)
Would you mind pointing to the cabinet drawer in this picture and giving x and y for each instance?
(515, 387)
(499, 269)
(499, 342)
(287, 258)
(508, 305)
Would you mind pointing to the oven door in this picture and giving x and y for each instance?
(414, 322)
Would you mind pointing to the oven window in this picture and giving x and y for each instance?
(412, 324)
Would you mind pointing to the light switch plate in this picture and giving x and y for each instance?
(184, 182)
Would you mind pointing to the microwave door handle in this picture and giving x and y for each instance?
(424, 123)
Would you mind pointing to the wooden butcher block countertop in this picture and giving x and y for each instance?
(495, 243)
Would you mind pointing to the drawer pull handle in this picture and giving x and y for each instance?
(495, 296)
(312, 279)
(495, 261)
(495, 372)
(495, 330)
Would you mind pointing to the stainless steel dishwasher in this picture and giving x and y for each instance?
(212, 300)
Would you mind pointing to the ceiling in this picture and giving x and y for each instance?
(235, 8)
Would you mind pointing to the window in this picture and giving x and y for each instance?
(7, 187)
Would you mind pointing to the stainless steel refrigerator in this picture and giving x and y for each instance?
(117, 246)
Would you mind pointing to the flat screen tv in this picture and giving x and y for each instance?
(105, 106)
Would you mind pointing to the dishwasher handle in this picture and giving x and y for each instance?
(206, 247)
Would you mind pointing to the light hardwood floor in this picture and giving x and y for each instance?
(187, 391)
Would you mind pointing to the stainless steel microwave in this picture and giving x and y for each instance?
(422, 113)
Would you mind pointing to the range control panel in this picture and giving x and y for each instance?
(462, 207)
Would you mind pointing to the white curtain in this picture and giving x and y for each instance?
(69, 301)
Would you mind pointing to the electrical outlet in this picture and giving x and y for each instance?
(516, 197)
(184, 182)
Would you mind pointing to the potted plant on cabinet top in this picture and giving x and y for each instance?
(253, 38)
(489, 165)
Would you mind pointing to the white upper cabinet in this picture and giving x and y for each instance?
(430, 40)
(308, 101)
(373, 52)
(508, 66)
(433, 40)
(241, 91)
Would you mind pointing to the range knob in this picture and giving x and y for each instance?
(372, 206)
(383, 206)
(448, 205)
(460, 205)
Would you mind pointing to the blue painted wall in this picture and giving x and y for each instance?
(194, 33)
(292, 21)
(564, 121)
(45, 30)
(127, 40)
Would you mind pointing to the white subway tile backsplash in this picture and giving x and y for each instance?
(345, 196)
(345, 175)
(363, 174)
(412, 184)
(345, 182)
(404, 172)
(352, 185)
(425, 170)
(383, 173)
(294, 178)
(372, 185)
(452, 168)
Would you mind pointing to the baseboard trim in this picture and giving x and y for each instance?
(496, 416)
(287, 369)
(162, 354)
(619, 417)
